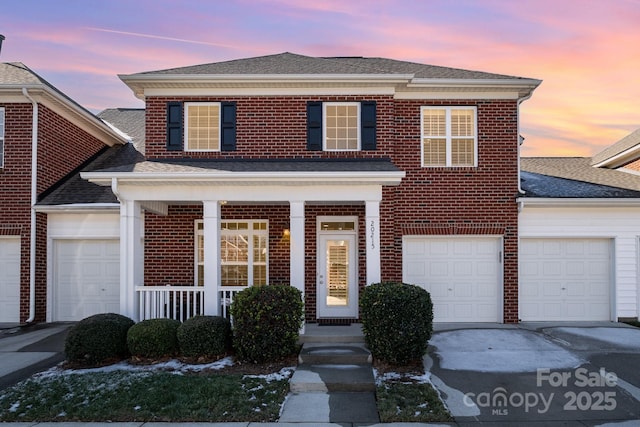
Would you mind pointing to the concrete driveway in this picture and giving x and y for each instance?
(553, 374)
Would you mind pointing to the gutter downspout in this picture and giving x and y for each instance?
(520, 140)
(34, 200)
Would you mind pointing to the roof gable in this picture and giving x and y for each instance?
(619, 154)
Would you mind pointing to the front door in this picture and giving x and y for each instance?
(337, 280)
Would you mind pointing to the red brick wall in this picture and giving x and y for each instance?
(61, 148)
(457, 201)
(169, 242)
(266, 127)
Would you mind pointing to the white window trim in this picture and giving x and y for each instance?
(2, 145)
(198, 231)
(324, 125)
(186, 126)
(448, 135)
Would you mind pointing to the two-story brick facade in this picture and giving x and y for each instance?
(327, 174)
(44, 136)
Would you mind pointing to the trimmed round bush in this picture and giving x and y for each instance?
(397, 321)
(266, 322)
(98, 339)
(204, 336)
(153, 338)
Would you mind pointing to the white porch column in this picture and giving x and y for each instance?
(296, 247)
(372, 236)
(211, 220)
(131, 258)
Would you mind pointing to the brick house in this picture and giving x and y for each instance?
(324, 173)
(329, 174)
(44, 136)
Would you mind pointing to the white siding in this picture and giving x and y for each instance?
(622, 224)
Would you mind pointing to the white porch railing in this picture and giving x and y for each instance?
(172, 302)
(226, 298)
(181, 302)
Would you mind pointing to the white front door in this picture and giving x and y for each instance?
(337, 280)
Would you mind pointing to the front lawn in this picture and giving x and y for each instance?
(145, 395)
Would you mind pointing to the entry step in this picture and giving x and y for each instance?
(335, 353)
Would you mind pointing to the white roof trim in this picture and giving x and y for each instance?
(578, 202)
(79, 208)
(620, 159)
(253, 178)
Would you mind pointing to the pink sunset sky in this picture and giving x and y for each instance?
(587, 52)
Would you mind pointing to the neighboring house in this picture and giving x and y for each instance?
(44, 136)
(327, 174)
(580, 235)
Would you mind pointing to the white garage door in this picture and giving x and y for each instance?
(9, 279)
(86, 278)
(565, 279)
(462, 274)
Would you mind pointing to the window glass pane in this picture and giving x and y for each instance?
(234, 248)
(435, 152)
(462, 152)
(434, 122)
(337, 226)
(203, 127)
(259, 249)
(259, 275)
(234, 275)
(462, 123)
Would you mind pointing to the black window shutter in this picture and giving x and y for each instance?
(314, 126)
(228, 126)
(174, 126)
(368, 125)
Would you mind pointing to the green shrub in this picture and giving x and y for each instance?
(153, 338)
(266, 322)
(397, 321)
(98, 339)
(204, 336)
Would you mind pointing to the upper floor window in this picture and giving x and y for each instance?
(2, 137)
(449, 136)
(202, 126)
(341, 126)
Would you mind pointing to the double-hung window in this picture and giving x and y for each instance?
(202, 126)
(2, 122)
(341, 126)
(449, 136)
(244, 251)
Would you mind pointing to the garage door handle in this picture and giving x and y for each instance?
(564, 289)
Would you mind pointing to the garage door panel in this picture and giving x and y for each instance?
(10, 279)
(86, 278)
(565, 279)
(461, 274)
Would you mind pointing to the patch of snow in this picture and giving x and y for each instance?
(282, 374)
(14, 407)
(629, 388)
(500, 350)
(624, 337)
(619, 424)
(137, 408)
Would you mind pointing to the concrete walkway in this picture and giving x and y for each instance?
(27, 350)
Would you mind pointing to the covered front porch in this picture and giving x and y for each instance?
(194, 235)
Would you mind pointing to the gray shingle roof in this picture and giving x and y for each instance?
(537, 185)
(624, 144)
(75, 190)
(580, 169)
(16, 73)
(291, 63)
(256, 165)
(128, 120)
